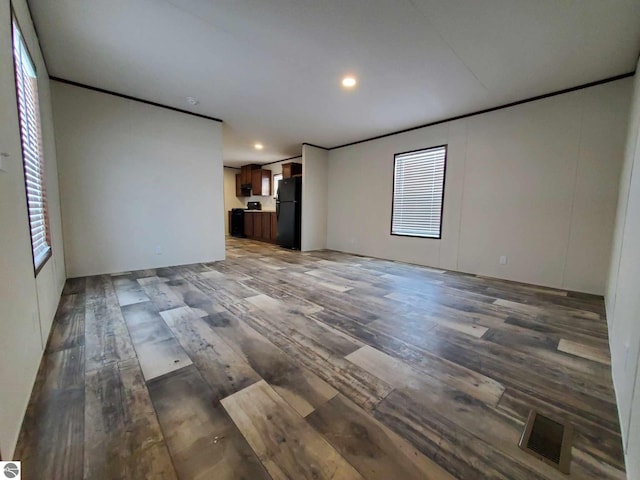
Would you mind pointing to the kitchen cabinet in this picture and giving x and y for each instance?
(257, 224)
(245, 173)
(261, 182)
(253, 180)
(241, 192)
(266, 226)
(248, 225)
(260, 225)
(291, 169)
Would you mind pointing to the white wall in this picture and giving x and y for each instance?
(230, 199)
(536, 182)
(27, 304)
(315, 165)
(133, 177)
(622, 299)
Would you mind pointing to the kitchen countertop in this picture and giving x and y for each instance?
(266, 211)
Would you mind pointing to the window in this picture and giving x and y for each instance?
(33, 161)
(276, 179)
(418, 192)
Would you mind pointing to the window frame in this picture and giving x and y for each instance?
(444, 184)
(275, 183)
(41, 261)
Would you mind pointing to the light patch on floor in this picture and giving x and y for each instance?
(264, 302)
(464, 327)
(584, 351)
(160, 358)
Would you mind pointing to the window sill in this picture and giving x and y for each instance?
(416, 236)
(42, 262)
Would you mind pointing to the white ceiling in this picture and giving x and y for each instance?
(271, 69)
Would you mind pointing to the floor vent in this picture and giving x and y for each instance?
(548, 440)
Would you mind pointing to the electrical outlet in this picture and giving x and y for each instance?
(158, 250)
(503, 260)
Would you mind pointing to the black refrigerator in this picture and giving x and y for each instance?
(289, 212)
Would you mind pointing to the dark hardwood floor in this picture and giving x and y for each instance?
(278, 364)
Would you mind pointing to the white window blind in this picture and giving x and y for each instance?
(418, 190)
(33, 162)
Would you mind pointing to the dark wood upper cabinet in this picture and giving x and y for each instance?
(246, 173)
(252, 180)
(291, 169)
(241, 192)
(261, 182)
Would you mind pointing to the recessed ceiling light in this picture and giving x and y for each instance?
(349, 82)
(193, 101)
(258, 146)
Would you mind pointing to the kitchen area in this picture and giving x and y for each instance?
(264, 202)
(282, 202)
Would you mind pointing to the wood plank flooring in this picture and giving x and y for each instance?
(281, 364)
